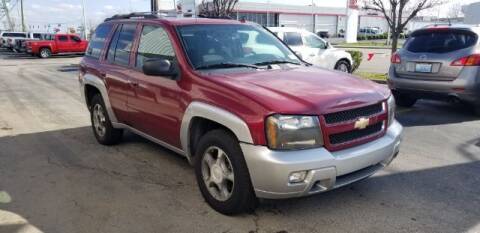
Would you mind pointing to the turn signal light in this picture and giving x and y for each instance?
(396, 59)
(472, 60)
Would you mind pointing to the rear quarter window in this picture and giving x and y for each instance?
(97, 41)
(440, 41)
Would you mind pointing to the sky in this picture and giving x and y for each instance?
(39, 13)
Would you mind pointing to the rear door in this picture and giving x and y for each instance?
(118, 71)
(428, 54)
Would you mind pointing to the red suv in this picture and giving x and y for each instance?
(253, 119)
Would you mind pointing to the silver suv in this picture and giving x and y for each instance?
(438, 62)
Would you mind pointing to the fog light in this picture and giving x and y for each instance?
(296, 177)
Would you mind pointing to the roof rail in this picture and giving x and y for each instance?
(214, 17)
(137, 15)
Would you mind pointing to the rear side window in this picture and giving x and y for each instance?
(440, 41)
(293, 38)
(37, 35)
(63, 38)
(154, 43)
(121, 45)
(97, 41)
(14, 34)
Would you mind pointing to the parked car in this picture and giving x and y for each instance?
(8, 38)
(21, 44)
(368, 32)
(323, 34)
(438, 63)
(313, 49)
(56, 45)
(251, 117)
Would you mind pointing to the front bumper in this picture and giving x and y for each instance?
(269, 170)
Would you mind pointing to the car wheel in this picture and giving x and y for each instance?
(45, 53)
(101, 124)
(343, 66)
(222, 174)
(403, 100)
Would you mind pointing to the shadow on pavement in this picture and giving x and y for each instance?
(426, 112)
(58, 176)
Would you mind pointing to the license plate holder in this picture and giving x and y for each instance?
(423, 68)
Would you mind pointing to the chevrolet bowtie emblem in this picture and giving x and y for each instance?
(362, 123)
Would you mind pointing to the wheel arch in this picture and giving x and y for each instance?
(200, 118)
(93, 83)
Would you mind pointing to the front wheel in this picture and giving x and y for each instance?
(222, 174)
(343, 66)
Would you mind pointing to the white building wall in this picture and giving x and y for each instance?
(373, 21)
(298, 21)
(472, 13)
(326, 23)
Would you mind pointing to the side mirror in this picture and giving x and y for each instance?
(159, 67)
(328, 45)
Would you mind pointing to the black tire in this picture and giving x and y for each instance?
(45, 53)
(111, 135)
(403, 100)
(343, 66)
(242, 197)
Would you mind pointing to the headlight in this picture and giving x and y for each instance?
(286, 132)
(391, 109)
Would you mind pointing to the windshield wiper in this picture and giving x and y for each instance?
(276, 62)
(225, 65)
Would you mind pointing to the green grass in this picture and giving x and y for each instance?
(371, 76)
(380, 43)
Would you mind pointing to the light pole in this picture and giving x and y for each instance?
(313, 17)
(85, 29)
(22, 15)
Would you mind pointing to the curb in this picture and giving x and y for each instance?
(360, 47)
(379, 81)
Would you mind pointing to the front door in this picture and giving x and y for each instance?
(63, 44)
(157, 102)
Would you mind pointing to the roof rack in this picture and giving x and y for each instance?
(137, 15)
(214, 17)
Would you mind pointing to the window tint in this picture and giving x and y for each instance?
(75, 38)
(63, 38)
(97, 41)
(121, 45)
(154, 43)
(14, 34)
(440, 41)
(314, 42)
(37, 35)
(293, 38)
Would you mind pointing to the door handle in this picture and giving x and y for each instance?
(133, 83)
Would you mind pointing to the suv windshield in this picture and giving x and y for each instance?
(236, 45)
(440, 41)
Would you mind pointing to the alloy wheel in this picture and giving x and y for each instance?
(99, 120)
(217, 173)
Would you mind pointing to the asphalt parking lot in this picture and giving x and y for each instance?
(55, 178)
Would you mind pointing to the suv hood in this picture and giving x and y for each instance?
(301, 90)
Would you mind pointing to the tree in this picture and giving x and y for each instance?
(455, 10)
(398, 13)
(217, 8)
(5, 7)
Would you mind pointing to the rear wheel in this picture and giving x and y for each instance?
(343, 66)
(101, 124)
(222, 174)
(45, 53)
(403, 100)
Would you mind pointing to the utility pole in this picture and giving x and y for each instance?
(23, 15)
(7, 15)
(154, 5)
(85, 29)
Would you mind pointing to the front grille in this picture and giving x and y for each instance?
(350, 136)
(352, 114)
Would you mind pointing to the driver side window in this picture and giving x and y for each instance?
(154, 43)
(314, 42)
